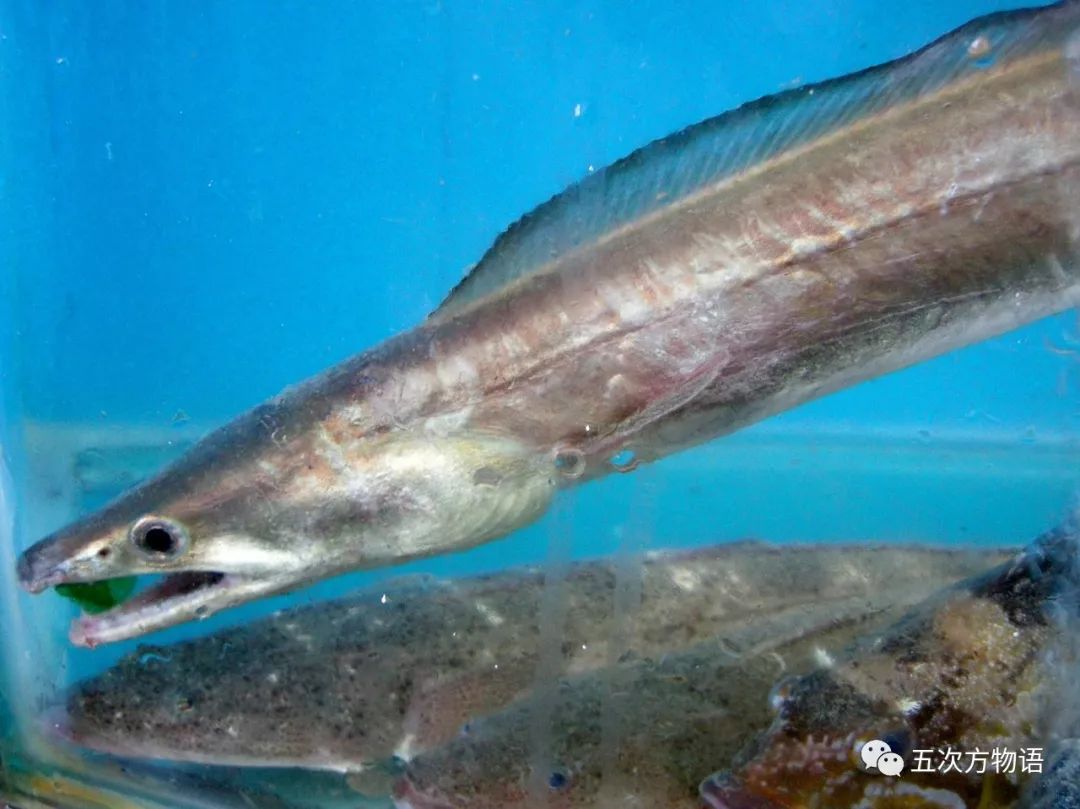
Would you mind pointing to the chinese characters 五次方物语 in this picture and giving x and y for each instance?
(999, 760)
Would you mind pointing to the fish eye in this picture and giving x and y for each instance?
(158, 537)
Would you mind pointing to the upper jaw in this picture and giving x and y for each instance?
(44, 565)
(36, 583)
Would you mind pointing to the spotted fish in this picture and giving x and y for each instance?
(348, 684)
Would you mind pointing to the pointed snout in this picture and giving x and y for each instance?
(41, 567)
(58, 558)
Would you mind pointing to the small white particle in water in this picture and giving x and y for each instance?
(584, 647)
(108, 150)
(578, 110)
(592, 168)
(496, 666)
(60, 60)
(232, 731)
(908, 705)
(823, 658)
(384, 599)
(476, 77)
(272, 678)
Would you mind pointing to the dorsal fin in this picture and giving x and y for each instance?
(719, 148)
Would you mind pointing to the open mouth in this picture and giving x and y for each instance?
(176, 598)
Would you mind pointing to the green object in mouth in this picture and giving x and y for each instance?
(98, 596)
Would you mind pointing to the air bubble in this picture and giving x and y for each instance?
(624, 461)
(980, 49)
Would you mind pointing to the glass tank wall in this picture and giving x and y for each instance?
(203, 204)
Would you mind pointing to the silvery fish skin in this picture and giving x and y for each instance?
(966, 672)
(350, 683)
(644, 733)
(758, 260)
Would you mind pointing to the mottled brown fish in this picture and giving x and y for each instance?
(771, 255)
(970, 672)
(353, 682)
(646, 732)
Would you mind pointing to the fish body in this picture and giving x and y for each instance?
(348, 684)
(969, 671)
(644, 732)
(752, 262)
(1059, 785)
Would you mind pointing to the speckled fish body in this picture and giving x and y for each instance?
(1059, 785)
(645, 732)
(348, 683)
(752, 262)
(968, 671)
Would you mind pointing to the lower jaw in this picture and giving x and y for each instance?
(142, 613)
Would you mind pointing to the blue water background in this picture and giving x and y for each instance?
(206, 202)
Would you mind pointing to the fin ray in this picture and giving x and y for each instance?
(672, 168)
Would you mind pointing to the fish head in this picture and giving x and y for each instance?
(143, 709)
(205, 525)
(272, 502)
(252, 696)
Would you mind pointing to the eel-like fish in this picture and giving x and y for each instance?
(964, 667)
(972, 673)
(348, 684)
(760, 259)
